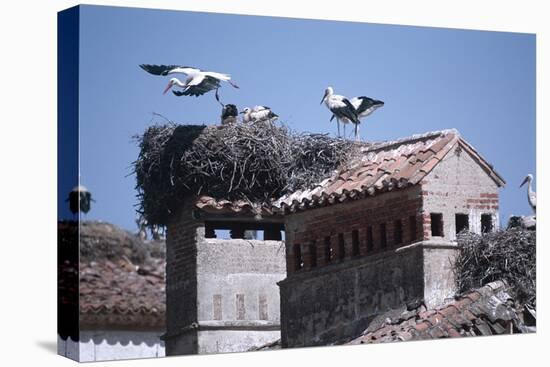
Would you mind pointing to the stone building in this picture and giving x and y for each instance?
(222, 293)
(380, 234)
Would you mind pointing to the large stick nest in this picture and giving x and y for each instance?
(508, 255)
(257, 162)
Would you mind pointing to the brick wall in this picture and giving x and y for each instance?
(183, 234)
(342, 299)
(458, 185)
(325, 299)
(311, 229)
(222, 294)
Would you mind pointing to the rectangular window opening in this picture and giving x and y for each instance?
(486, 223)
(436, 224)
(299, 262)
(226, 230)
(398, 232)
(461, 222)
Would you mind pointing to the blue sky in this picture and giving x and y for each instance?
(482, 83)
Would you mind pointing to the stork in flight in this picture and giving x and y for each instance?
(258, 113)
(341, 108)
(364, 106)
(196, 84)
(531, 195)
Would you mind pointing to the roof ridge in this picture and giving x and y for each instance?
(410, 139)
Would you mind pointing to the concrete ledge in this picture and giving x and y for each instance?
(239, 325)
(258, 325)
(434, 244)
(221, 241)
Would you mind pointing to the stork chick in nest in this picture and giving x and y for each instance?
(258, 113)
(229, 114)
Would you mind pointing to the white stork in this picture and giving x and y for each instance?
(258, 113)
(341, 108)
(196, 84)
(364, 106)
(531, 195)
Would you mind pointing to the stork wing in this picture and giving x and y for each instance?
(158, 69)
(220, 76)
(343, 108)
(209, 83)
(364, 106)
(260, 108)
(166, 69)
(349, 111)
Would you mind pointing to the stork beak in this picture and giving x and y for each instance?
(241, 112)
(325, 96)
(167, 88)
(524, 181)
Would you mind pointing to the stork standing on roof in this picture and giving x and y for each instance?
(364, 106)
(196, 84)
(341, 108)
(258, 113)
(531, 195)
(80, 199)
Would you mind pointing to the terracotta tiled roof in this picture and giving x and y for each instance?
(489, 310)
(486, 311)
(120, 277)
(209, 204)
(120, 294)
(383, 167)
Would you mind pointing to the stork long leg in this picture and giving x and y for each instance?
(345, 136)
(218, 98)
(338, 122)
(357, 132)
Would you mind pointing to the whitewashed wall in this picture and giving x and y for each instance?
(104, 345)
